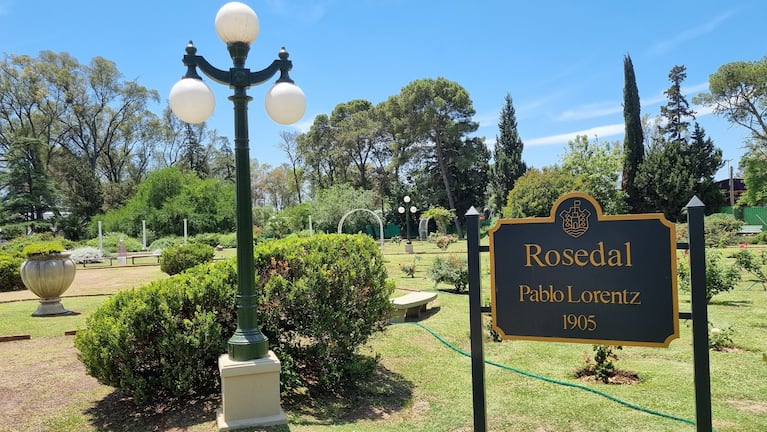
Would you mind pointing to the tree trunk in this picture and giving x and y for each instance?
(443, 171)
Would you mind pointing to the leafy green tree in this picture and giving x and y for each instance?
(434, 113)
(333, 203)
(277, 188)
(355, 131)
(665, 178)
(82, 196)
(222, 161)
(679, 163)
(597, 168)
(167, 197)
(289, 146)
(508, 165)
(27, 186)
(32, 99)
(738, 92)
(633, 143)
(755, 177)
(536, 191)
(195, 156)
(89, 111)
(468, 170)
(325, 163)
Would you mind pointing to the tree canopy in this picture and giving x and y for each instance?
(680, 163)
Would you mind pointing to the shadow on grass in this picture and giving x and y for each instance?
(383, 394)
(117, 412)
(463, 292)
(732, 303)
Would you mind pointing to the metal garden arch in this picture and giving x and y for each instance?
(380, 223)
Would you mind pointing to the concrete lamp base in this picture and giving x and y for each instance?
(250, 393)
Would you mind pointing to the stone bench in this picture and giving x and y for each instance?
(749, 230)
(411, 305)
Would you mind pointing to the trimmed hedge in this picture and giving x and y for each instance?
(176, 259)
(323, 297)
(320, 299)
(10, 272)
(163, 339)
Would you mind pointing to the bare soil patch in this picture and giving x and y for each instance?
(749, 406)
(46, 377)
(620, 377)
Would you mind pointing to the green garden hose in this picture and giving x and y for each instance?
(553, 381)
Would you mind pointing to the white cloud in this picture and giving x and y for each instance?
(590, 111)
(599, 131)
(487, 119)
(689, 34)
(304, 126)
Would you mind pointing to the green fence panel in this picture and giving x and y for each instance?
(755, 216)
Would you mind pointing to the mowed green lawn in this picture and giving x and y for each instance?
(424, 382)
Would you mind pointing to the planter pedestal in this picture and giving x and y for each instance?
(51, 307)
(250, 393)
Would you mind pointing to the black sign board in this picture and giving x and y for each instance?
(580, 276)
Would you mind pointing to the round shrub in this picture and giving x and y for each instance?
(163, 339)
(721, 230)
(319, 298)
(176, 259)
(166, 242)
(453, 269)
(10, 276)
(210, 239)
(323, 297)
(228, 240)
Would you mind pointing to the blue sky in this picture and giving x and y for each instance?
(561, 61)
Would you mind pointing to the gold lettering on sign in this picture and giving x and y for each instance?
(535, 255)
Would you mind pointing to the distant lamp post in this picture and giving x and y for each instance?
(413, 209)
(192, 101)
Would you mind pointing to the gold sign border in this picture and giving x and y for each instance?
(600, 217)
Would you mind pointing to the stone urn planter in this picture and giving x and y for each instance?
(48, 273)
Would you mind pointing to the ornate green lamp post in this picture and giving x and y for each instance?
(192, 101)
(413, 209)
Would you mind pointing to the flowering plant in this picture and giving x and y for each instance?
(720, 338)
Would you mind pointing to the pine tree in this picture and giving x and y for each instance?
(677, 109)
(633, 143)
(195, 157)
(29, 189)
(508, 166)
(679, 164)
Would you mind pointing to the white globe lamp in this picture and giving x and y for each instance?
(191, 100)
(237, 22)
(285, 103)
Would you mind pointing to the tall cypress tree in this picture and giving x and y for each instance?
(633, 143)
(508, 166)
